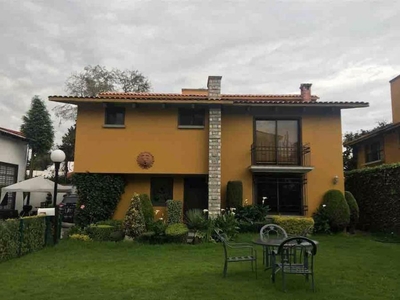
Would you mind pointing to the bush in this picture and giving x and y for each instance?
(354, 211)
(253, 227)
(100, 233)
(98, 196)
(196, 220)
(377, 191)
(177, 232)
(80, 237)
(293, 225)
(74, 230)
(134, 221)
(21, 236)
(117, 224)
(252, 213)
(174, 211)
(234, 194)
(147, 209)
(228, 224)
(321, 221)
(337, 210)
(117, 236)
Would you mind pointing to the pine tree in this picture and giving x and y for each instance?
(38, 129)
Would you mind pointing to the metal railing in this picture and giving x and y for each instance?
(270, 155)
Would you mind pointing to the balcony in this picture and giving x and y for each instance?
(293, 159)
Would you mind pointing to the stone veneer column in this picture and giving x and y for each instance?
(214, 147)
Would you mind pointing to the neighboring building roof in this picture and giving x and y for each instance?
(12, 133)
(373, 134)
(275, 100)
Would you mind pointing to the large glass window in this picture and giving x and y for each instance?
(161, 190)
(8, 176)
(277, 141)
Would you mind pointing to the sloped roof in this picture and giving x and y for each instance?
(12, 133)
(373, 134)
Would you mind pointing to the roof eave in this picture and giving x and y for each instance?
(372, 135)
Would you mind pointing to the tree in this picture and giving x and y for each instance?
(38, 129)
(68, 146)
(349, 153)
(96, 79)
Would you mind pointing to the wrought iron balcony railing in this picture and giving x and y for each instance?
(270, 155)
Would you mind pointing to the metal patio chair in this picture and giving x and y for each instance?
(229, 247)
(289, 263)
(271, 231)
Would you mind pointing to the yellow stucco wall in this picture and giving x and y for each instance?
(323, 132)
(175, 151)
(395, 94)
(392, 147)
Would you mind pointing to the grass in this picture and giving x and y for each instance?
(347, 267)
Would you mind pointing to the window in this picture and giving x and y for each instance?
(277, 141)
(191, 118)
(8, 176)
(373, 152)
(114, 116)
(161, 190)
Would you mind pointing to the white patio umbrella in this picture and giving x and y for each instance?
(37, 184)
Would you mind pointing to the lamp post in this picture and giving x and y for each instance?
(57, 156)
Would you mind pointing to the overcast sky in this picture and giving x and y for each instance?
(349, 50)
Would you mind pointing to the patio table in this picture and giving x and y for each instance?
(272, 243)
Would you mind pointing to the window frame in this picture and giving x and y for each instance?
(11, 196)
(116, 109)
(169, 181)
(192, 112)
(368, 153)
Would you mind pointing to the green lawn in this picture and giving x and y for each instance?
(355, 267)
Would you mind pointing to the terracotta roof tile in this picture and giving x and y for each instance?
(12, 132)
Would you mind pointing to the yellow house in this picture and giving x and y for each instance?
(380, 146)
(187, 146)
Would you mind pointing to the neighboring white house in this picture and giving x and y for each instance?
(13, 159)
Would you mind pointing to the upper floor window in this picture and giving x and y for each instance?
(8, 176)
(373, 152)
(191, 118)
(114, 115)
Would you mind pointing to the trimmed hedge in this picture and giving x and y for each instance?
(177, 232)
(101, 233)
(354, 211)
(98, 196)
(22, 236)
(234, 194)
(377, 191)
(147, 209)
(174, 211)
(294, 225)
(336, 209)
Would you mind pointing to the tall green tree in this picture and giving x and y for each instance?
(96, 79)
(68, 146)
(38, 128)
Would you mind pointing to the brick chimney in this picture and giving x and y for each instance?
(305, 89)
(214, 87)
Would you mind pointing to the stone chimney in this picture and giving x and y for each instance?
(305, 89)
(395, 95)
(214, 87)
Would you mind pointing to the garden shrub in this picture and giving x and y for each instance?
(9, 239)
(156, 234)
(321, 221)
(177, 232)
(98, 196)
(147, 209)
(117, 236)
(196, 220)
(80, 237)
(354, 210)
(252, 213)
(377, 191)
(134, 224)
(117, 224)
(293, 225)
(174, 211)
(228, 224)
(100, 233)
(234, 194)
(33, 233)
(336, 209)
(74, 230)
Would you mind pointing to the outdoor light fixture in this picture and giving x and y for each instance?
(57, 156)
(335, 179)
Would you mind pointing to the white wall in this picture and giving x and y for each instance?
(14, 151)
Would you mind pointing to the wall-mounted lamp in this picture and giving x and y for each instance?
(335, 179)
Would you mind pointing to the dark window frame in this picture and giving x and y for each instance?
(11, 196)
(373, 155)
(111, 109)
(191, 113)
(169, 181)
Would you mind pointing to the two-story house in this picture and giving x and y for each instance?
(13, 158)
(187, 146)
(382, 145)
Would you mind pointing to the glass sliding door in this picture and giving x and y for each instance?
(277, 142)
